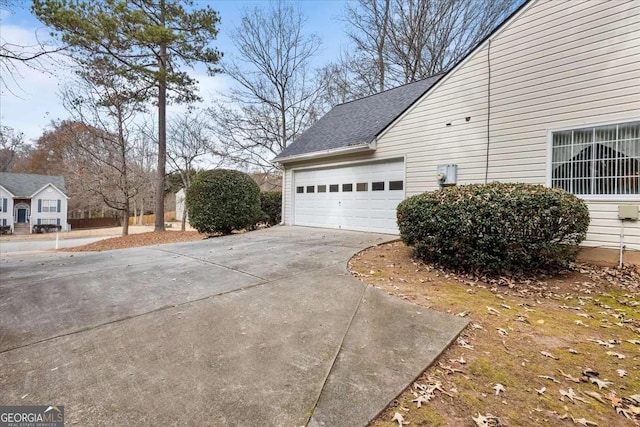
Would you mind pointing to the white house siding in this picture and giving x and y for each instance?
(558, 65)
(6, 215)
(49, 193)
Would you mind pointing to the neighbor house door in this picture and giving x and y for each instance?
(22, 215)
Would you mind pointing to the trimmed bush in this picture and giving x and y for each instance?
(494, 228)
(221, 200)
(271, 205)
(46, 228)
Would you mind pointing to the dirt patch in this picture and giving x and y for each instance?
(137, 240)
(531, 350)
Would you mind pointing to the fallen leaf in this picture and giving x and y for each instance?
(420, 400)
(547, 377)
(621, 373)
(636, 342)
(486, 420)
(541, 390)
(476, 326)
(618, 355)
(600, 383)
(499, 388)
(502, 332)
(549, 355)
(583, 422)
(595, 395)
(399, 419)
(493, 311)
(571, 395)
(572, 351)
(569, 377)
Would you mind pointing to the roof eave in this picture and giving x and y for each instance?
(9, 192)
(52, 185)
(351, 149)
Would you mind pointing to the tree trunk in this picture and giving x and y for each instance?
(162, 129)
(125, 214)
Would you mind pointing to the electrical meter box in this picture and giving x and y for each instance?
(447, 174)
(628, 212)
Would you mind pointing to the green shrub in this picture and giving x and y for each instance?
(271, 205)
(494, 228)
(220, 201)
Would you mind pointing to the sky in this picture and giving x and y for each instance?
(32, 100)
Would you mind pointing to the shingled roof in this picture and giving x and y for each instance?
(26, 184)
(358, 122)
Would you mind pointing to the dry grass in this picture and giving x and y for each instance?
(562, 317)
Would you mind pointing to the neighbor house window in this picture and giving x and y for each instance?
(322, 188)
(602, 160)
(362, 186)
(310, 189)
(347, 187)
(333, 188)
(49, 206)
(299, 190)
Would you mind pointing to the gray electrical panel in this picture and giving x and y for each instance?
(628, 212)
(447, 174)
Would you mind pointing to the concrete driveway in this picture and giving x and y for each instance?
(259, 329)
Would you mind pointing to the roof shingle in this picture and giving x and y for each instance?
(358, 122)
(25, 184)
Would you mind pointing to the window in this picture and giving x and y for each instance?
(311, 189)
(377, 186)
(362, 186)
(299, 190)
(49, 205)
(347, 187)
(333, 188)
(3, 204)
(52, 221)
(396, 185)
(322, 188)
(603, 160)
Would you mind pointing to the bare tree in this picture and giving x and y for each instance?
(188, 139)
(105, 107)
(16, 54)
(400, 41)
(11, 147)
(274, 94)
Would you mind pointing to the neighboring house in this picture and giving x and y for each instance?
(28, 199)
(551, 97)
(181, 197)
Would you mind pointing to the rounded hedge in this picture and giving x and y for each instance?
(271, 205)
(494, 228)
(221, 200)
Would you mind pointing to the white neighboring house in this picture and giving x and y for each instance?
(29, 199)
(552, 97)
(181, 197)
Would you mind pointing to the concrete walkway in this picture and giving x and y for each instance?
(261, 329)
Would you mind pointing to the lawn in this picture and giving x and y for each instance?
(561, 350)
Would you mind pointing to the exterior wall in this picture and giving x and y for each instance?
(6, 214)
(557, 65)
(49, 193)
(180, 204)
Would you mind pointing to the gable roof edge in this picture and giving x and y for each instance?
(499, 29)
(10, 193)
(47, 185)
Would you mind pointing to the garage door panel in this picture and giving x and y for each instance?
(366, 210)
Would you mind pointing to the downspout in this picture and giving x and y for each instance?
(284, 174)
(486, 170)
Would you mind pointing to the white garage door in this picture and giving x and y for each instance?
(360, 197)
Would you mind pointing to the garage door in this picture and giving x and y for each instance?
(360, 197)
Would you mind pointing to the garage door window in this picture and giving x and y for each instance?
(362, 186)
(396, 185)
(322, 188)
(333, 188)
(377, 186)
(347, 187)
(299, 190)
(310, 189)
